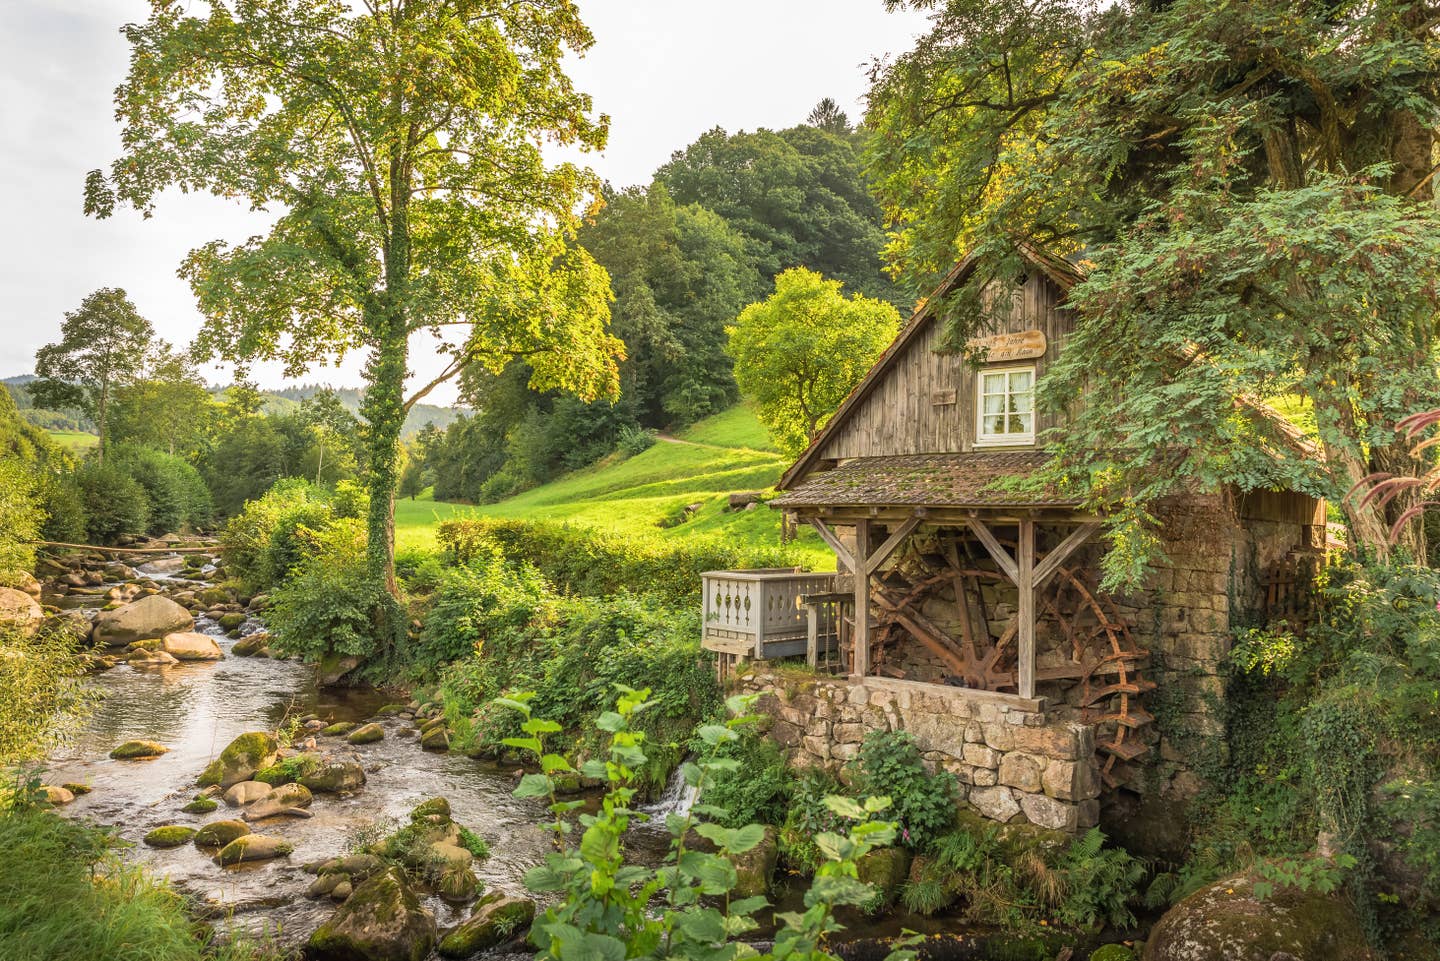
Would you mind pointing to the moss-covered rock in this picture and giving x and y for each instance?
(201, 805)
(497, 920)
(251, 645)
(77, 789)
(435, 807)
(217, 834)
(367, 734)
(1226, 922)
(382, 920)
(241, 759)
(885, 870)
(152, 616)
(170, 836)
(338, 728)
(390, 710)
(253, 847)
(436, 739)
(335, 777)
(229, 622)
(1112, 952)
(756, 867)
(138, 750)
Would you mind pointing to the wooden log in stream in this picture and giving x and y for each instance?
(128, 550)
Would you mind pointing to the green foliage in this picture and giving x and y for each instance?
(63, 507)
(597, 563)
(165, 407)
(924, 804)
(65, 893)
(799, 353)
(114, 502)
(807, 817)
(634, 440)
(606, 906)
(263, 542)
(329, 605)
(1098, 884)
(42, 691)
(571, 653)
(175, 491)
(474, 843)
(756, 790)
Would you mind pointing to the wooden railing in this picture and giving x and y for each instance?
(761, 613)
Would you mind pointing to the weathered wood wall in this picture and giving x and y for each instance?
(900, 414)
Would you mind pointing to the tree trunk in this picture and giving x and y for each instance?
(100, 422)
(384, 412)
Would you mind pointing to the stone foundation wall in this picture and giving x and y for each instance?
(1013, 762)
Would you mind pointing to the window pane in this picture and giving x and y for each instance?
(1022, 403)
(1022, 424)
(992, 384)
(993, 424)
(1020, 380)
(994, 403)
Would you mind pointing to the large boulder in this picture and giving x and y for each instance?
(885, 870)
(20, 611)
(285, 799)
(243, 792)
(240, 760)
(367, 734)
(382, 920)
(335, 777)
(252, 645)
(253, 847)
(153, 616)
(191, 646)
(217, 834)
(1226, 922)
(497, 920)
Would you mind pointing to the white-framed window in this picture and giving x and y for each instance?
(1005, 405)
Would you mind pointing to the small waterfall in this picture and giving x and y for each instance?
(676, 798)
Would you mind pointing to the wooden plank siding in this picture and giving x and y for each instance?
(899, 415)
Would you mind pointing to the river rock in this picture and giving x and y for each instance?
(335, 777)
(241, 794)
(170, 836)
(382, 920)
(153, 616)
(20, 611)
(366, 734)
(497, 920)
(26, 582)
(240, 760)
(192, 646)
(333, 668)
(285, 799)
(217, 834)
(138, 750)
(252, 645)
(885, 870)
(1226, 922)
(54, 795)
(338, 728)
(755, 868)
(230, 622)
(436, 739)
(253, 847)
(163, 565)
(200, 805)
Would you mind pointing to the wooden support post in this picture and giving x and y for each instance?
(861, 637)
(831, 538)
(1025, 583)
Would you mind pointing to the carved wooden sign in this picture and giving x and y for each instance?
(940, 398)
(1002, 347)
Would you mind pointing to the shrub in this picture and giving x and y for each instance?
(924, 804)
(350, 500)
(175, 492)
(115, 503)
(807, 817)
(262, 542)
(582, 560)
(756, 789)
(331, 606)
(473, 602)
(19, 518)
(633, 440)
(42, 691)
(64, 506)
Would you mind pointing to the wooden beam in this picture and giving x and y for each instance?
(830, 537)
(1052, 561)
(882, 554)
(862, 599)
(997, 551)
(1025, 583)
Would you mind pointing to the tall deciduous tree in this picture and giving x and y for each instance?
(801, 351)
(166, 406)
(1250, 189)
(102, 347)
(399, 143)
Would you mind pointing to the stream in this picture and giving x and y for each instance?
(196, 708)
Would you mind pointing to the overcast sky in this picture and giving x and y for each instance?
(664, 70)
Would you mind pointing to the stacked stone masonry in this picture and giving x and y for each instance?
(1012, 764)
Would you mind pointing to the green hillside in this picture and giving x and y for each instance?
(702, 465)
(73, 440)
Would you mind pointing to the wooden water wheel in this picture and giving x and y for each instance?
(1092, 651)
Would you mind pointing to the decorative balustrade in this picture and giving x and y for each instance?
(761, 613)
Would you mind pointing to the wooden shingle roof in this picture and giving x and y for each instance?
(924, 480)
